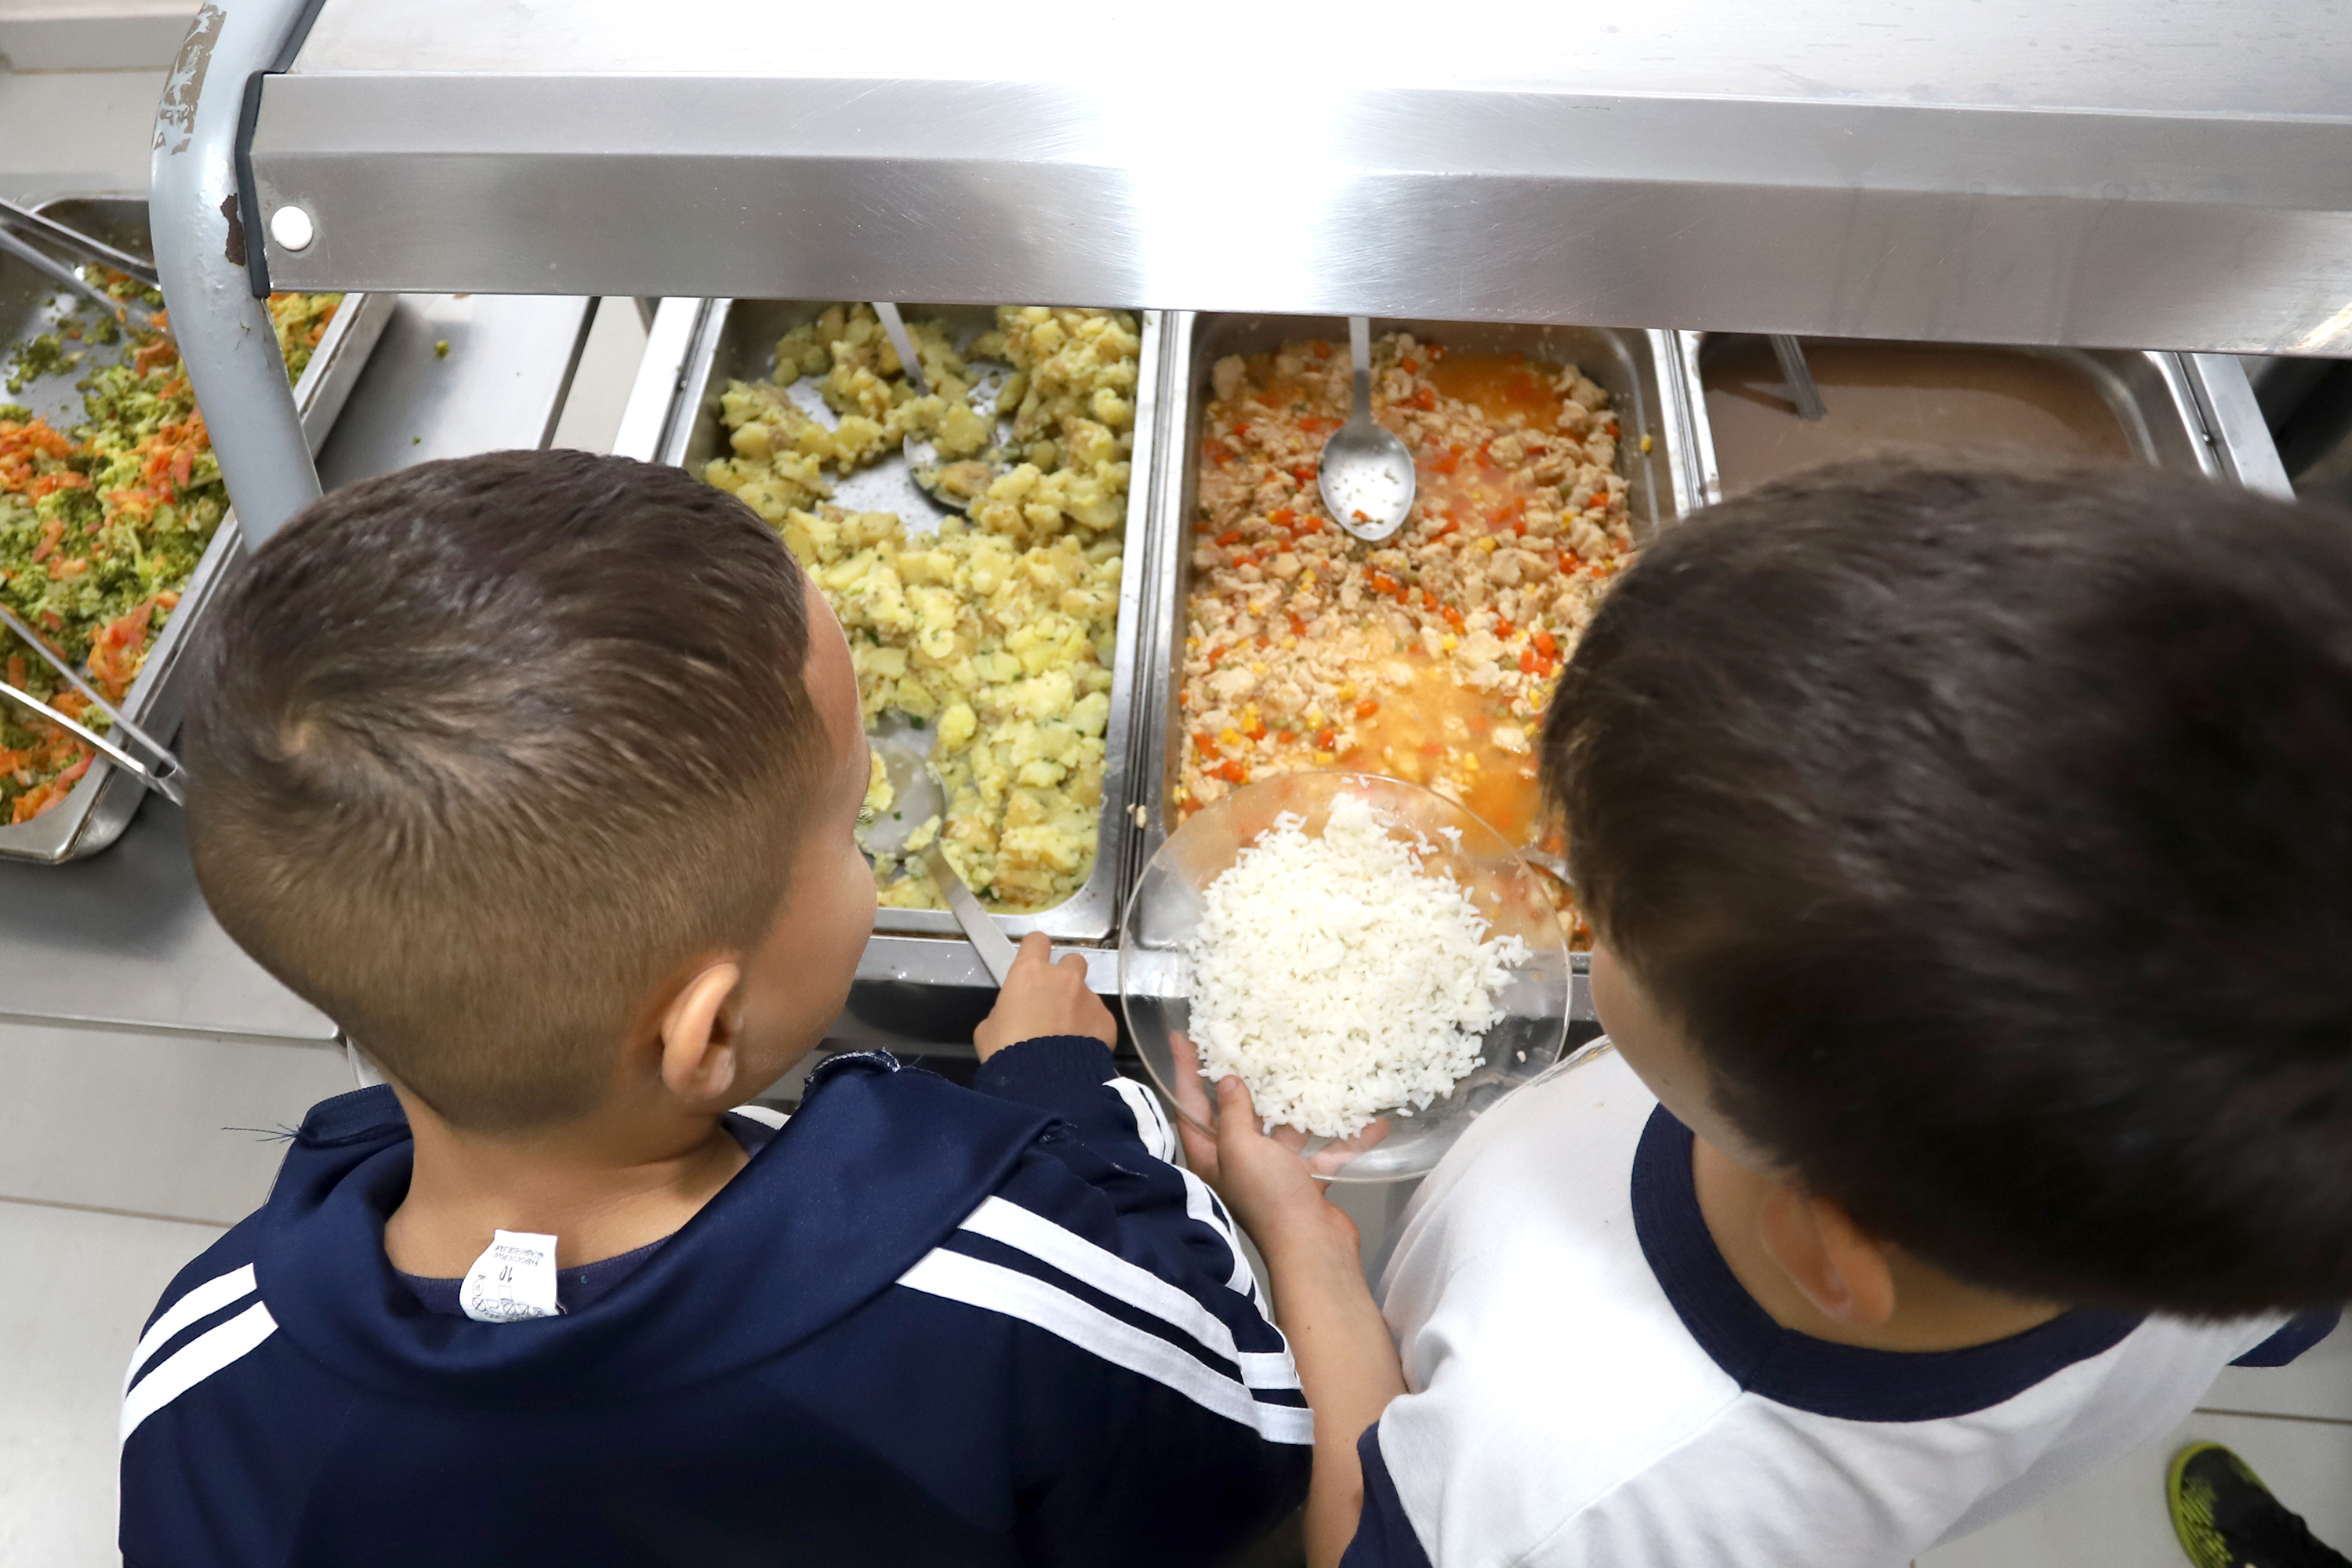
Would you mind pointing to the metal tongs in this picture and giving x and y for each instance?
(161, 775)
(84, 247)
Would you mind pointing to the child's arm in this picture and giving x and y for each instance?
(1346, 1362)
(1159, 1413)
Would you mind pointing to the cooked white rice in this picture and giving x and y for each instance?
(1338, 978)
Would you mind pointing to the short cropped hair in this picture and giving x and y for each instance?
(1987, 827)
(482, 752)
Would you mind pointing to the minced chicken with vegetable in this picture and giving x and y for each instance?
(1430, 657)
(999, 631)
(103, 524)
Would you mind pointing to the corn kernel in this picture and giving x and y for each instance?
(1290, 642)
(1229, 736)
(1486, 543)
(1645, 442)
(1326, 758)
(1449, 642)
(1348, 691)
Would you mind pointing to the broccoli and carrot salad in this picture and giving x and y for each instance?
(103, 523)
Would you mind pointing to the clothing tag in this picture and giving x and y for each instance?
(513, 1278)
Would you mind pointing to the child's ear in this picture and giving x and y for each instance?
(697, 1034)
(1843, 1272)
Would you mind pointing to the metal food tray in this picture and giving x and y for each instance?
(2179, 412)
(735, 340)
(1640, 370)
(101, 803)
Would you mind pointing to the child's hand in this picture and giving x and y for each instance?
(1261, 1177)
(1043, 997)
(1347, 1365)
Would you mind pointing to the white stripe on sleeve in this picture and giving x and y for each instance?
(1201, 1205)
(765, 1115)
(1151, 1125)
(1159, 1137)
(996, 1289)
(193, 1363)
(1001, 1220)
(201, 1303)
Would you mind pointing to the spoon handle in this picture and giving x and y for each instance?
(1803, 389)
(995, 949)
(1359, 348)
(895, 329)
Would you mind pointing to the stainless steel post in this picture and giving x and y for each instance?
(223, 332)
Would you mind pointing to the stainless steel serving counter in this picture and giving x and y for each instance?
(124, 938)
(89, 817)
(2015, 171)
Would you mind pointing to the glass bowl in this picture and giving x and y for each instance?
(1164, 914)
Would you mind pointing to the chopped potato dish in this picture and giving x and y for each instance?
(1429, 656)
(997, 632)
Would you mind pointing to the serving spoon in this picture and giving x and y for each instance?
(953, 485)
(1803, 391)
(1365, 472)
(905, 751)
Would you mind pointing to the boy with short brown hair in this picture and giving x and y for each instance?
(1970, 845)
(541, 773)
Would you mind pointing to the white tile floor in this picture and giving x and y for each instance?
(81, 1282)
(2116, 1519)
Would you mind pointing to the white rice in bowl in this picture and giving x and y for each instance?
(1339, 977)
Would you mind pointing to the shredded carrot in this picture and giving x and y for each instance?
(32, 803)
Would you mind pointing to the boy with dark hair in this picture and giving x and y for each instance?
(1972, 854)
(541, 773)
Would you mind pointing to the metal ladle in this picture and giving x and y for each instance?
(1365, 472)
(905, 751)
(1803, 389)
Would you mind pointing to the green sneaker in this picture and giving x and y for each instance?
(2226, 1518)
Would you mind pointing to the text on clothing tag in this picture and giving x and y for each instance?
(514, 1278)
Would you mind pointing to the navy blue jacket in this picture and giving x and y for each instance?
(923, 1325)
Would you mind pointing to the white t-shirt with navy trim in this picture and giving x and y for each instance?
(1590, 1385)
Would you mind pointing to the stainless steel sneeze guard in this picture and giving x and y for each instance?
(2006, 172)
(735, 340)
(94, 813)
